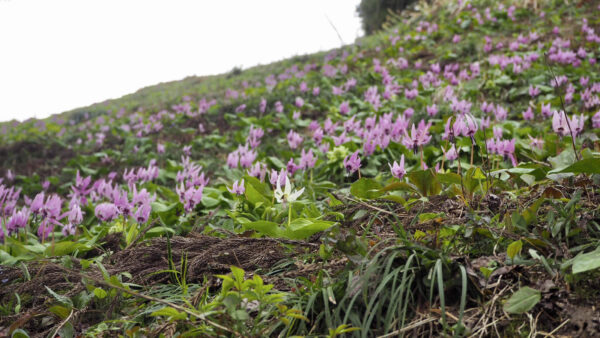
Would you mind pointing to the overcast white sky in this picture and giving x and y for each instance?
(56, 55)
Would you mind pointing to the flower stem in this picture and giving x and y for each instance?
(289, 215)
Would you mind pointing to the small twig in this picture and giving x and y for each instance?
(409, 327)
(368, 205)
(335, 29)
(62, 324)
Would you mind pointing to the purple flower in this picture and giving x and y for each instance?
(596, 120)
(233, 159)
(307, 159)
(546, 112)
(294, 139)
(189, 197)
(528, 114)
(559, 123)
(432, 110)
(19, 219)
(106, 212)
(238, 188)
(344, 108)
(451, 154)
(187, 150)
(142, 213)
(160, 148)
(299, 102)
(247, 158)
(398, 171)
(418, 136)
(275, 177)
(536, 142)
(263, 105)
(258, 170)
(291, 166)
(534, 91)
(352, 162)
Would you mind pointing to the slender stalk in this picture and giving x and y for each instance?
(290, 214)
(472, 150)
(562, 104)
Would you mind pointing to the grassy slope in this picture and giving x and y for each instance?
(437, 252)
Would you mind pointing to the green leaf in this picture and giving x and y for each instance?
(60, 298)
(302, 228)
(170, 313)
(587, 166)
(523, 300)
(100, 293)
(19, 333)
(366, 188)
(426, 182)
(65, 248)
(586, 262)
(59, 310)
(264, 227)
(254, 196)
(514, 248)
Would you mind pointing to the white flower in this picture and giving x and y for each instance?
(287, 195)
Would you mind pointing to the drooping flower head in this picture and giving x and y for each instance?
(398, 170)
(352, 162)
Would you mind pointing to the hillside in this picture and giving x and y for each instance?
(437, 178)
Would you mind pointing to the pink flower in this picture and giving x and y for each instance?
(398, 171)
(451, 154)
(596, 120)
(344, 108)
(432, 110)
(307, 159)
(534, 91)
(106, 212)
(528, 114)
(352, 162)
(294, 139)
(238, 188)
(536, 142)
(546, 110)
(559, 123)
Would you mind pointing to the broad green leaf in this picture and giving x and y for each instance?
(65, 248)
(587, 166)
(100, 293)
(59, 310)
(264, 227)
(302, 228)
(366, 188)
(586, 262)
(514, 248)
(426, 182)
(523, 300)
(254, 196)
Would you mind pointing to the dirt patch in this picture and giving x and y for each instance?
(34, 156)
(206, 256)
